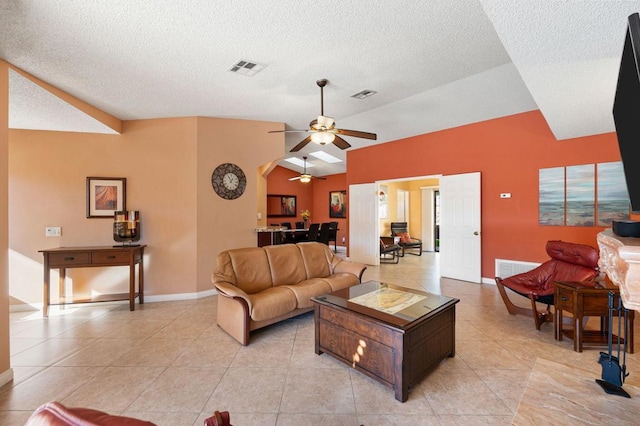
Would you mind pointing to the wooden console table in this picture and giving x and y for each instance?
(86, 257)
(585, 299)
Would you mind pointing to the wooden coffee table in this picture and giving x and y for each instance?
(393, 334)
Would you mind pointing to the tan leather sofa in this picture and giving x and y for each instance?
(259, 286)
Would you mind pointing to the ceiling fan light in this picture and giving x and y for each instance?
(322, 138)
(305, 178)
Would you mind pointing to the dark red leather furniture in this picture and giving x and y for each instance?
(569, 262)
(56, 414)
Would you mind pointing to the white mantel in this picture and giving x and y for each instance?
(620, 260)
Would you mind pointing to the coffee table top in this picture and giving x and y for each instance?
(393, 304)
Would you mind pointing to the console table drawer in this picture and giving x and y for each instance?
(68, 259)
(564, 299)
(99, 258)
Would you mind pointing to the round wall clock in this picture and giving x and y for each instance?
(229, 181)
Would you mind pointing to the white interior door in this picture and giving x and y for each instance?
(364, 245)
(428, 222)
(460, 248)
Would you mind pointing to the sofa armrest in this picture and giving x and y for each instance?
(355, 268)
(229, 290)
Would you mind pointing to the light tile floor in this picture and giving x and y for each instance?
(169, 363)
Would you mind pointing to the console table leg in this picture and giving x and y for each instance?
(577, 334)
(141, 281)
(132, 285)
(46, 295)
(62, 285)
(557, 318)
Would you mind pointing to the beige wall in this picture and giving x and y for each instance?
(5, 371)
(47, 183)
(168, 165)
(224, 224)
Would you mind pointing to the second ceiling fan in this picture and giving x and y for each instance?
(323, 130)
(304, 176)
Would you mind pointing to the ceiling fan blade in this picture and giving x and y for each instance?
(295, 178)
(357, 134)
(287, 131)
(341, 143)
(318, 177)
(301, 145)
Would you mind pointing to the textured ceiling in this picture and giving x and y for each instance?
(435, 64)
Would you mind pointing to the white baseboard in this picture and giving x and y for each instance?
(147, 298)
(489, 281)
(6, 377)
(180, 296)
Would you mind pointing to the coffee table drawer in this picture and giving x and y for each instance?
(362, 327)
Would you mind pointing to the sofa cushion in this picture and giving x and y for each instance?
(343, 280)
(246, 268)
(272, 302)
(286, 264)
(307, 289)
(317, 258)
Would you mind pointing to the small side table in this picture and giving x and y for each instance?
(587, 299)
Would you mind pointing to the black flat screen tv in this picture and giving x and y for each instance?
(626, 111)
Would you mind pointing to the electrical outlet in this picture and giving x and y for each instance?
(343, 240)
(53, 231)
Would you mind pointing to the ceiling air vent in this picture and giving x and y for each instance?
(247, 68)
(364, 94)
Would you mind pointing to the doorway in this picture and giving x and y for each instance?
(365, 197)
(430, 220)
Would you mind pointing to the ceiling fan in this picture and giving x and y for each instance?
(323, 130)
(304, 176)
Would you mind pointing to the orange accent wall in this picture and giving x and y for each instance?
(508, 152)
(320, 212)
(278, 183)
(312, 196)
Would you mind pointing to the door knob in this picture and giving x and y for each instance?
(476, 233)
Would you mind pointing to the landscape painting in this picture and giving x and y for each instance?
(551, 196)
(613, 198)
(581, 195)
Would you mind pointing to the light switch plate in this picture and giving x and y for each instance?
(53, 231)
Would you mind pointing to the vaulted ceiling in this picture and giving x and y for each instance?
(434, 64)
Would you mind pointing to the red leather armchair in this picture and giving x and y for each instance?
(569, 262)
(55, 414)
